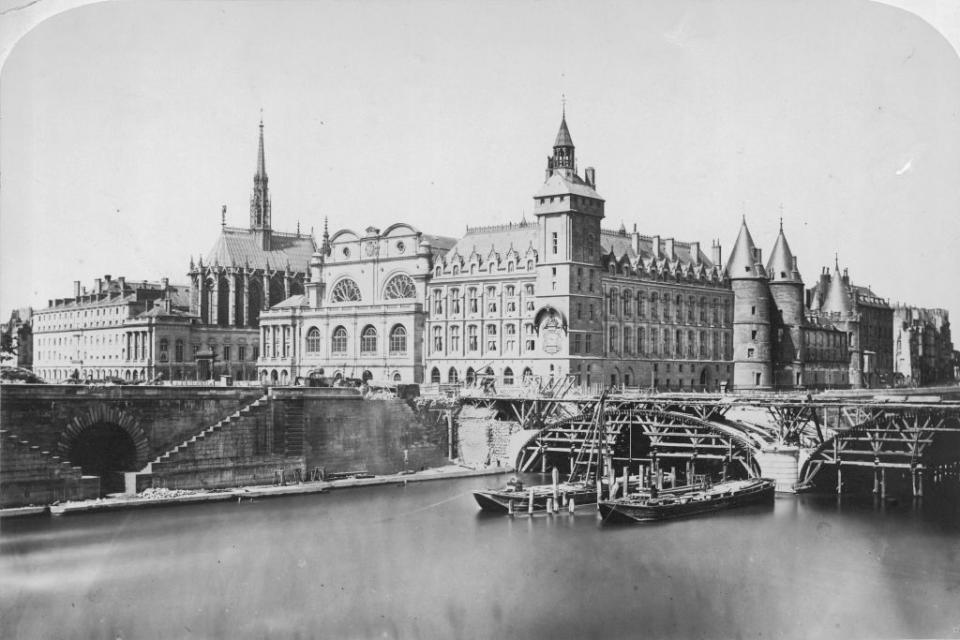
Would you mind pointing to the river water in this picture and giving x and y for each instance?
(421, 562)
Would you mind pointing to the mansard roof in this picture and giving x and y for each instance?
(620, 244)
(780, 266)
(498, 238)
(242, 248)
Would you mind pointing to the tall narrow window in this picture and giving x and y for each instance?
(313, 340)
(338, 341)
(368, 340)
(398, 339)
(556, 242)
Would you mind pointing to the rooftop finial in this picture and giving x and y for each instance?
(261, 117)
(563, 103)
(223, 216)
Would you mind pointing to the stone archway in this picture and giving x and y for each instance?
(105, 439)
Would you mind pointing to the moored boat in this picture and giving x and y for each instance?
(651, 506)
(516, 498)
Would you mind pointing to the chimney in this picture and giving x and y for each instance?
(122, 281)
(106, 278)
(591, 176)
(99, 285)
(165, 305)
(716, 252)
(655, 246)
(846, 276)
(695, 253)
(669, 249)
(164, 283)
(76, 288)
(635, 237)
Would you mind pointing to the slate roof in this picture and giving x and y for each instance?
(622, 244)
(742, 262)
(557, 185)
(242, 248)
(780, 265)
(500, 238)
(563, 135)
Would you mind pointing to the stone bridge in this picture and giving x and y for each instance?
(62, 442)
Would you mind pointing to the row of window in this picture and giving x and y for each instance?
(472, 301)
(490, 336)
(667, 307)
(456, 269)
(313, 344)
(471, 375)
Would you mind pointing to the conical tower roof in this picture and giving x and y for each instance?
(837, 299)
(563, 135)
(780, 267)
(742, 262)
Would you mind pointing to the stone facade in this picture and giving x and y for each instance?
(923, 347)
(17, 338)
(363, 312)
(778, 342)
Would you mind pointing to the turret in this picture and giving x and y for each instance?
(786, 291)
(751, 314)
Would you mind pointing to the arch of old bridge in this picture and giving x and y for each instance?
(915, 432)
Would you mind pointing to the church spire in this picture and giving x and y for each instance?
(260, 198)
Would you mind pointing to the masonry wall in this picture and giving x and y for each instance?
(347, 433)
(167, 415)
(34, 476)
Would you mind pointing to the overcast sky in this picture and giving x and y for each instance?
(126, 126)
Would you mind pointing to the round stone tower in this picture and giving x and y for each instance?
(786, 292)
(752, 357)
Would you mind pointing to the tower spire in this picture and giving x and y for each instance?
(260, 198)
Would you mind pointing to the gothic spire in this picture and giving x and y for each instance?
(260, 198)
(261, 161)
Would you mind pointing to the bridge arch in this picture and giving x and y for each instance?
(912, 441)
(636, 435)
(104, 438)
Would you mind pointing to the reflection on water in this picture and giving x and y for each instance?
(422, 562)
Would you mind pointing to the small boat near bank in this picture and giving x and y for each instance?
(651, 506)
(515, 497)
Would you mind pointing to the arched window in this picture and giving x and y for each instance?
(396, 377)
(398, 339)
(338, 341)
(345, 291)
(527, 373)
(435, 375)
(368, 340)
(508, 376)
(452, 375)
(471, 376)
(400, 287)
(313, 340)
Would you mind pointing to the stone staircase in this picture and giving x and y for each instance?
(187, 446)
(29, 474)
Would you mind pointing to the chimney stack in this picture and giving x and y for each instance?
(717, 254)
(591, 176)
(99, 285)
(669, 249)
(655, 246)
(635, 238)
(122, 281)
(695, 253)
(76, 288)
(164, 283)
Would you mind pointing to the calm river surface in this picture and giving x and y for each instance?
(421, 562)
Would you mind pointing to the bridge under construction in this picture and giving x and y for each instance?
(840, 440)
